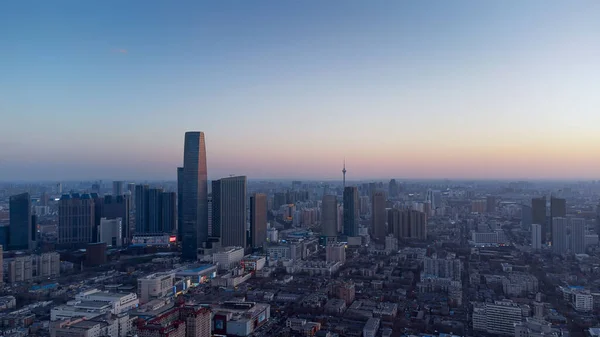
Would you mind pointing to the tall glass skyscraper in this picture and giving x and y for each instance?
(229, 211)
(195, 195)
(179, 203)
(20, 237)
(351, 211)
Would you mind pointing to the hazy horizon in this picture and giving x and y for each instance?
(423, 90)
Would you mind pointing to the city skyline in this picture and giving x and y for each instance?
(401, 90)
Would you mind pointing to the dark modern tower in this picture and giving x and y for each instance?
(155, 218)
(351, 208)
(490, 202)
(329, 212)
(558, 209)
(258, 219)
(118, 188)
(157, 211)
(229, 211)
(179, 204)
(168, 212)
(118, 206)
(20, 237)
(538, 215)
(195, 194)
(141, 208)
(75, 219)
(393, 188)
(378, 215)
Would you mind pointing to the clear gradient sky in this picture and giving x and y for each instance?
(287, 89)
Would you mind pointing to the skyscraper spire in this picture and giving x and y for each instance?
(344, 172)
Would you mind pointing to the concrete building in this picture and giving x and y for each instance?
(110, 232)
(228, 257)
(536, 236)
(32, 267)
(449, 268)
(335, 252)
(329, 214)
(258, 220)
(391, 243)
(229, 211)
(407, 224)
(239, 318)
(76, 219)
(534, 327)
(371, 327)
(559, 235)
(497, 318)
(180, 321)
(154, 286)
(478, 206)
(99, 325)
(195, 195)
(378, 215)
(119, 302)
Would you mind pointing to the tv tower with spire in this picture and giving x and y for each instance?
(344, 172)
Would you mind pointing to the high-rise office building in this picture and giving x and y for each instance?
(351, 208)
(279, 199)
(558, 207)
(329, 212)
(393, 188)
(407, 224)
(195, 194)
(141, 208)
(76, 219)
(229, 210)
(435, 197)
(578, 234)
(536, 236)
(118, 206)
(20, 231)
(559, 233)
(490, 203)
(169, 212)
(157, 210)
(258, 220)
(131, 193)
(538, 215)
(378, 215)
(179, 204)
(118, 188)
(154, 224)
(526, 218)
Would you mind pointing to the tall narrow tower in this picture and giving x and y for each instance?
(195, 194)
(344, 173)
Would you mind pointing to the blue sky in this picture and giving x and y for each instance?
(287, 89)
